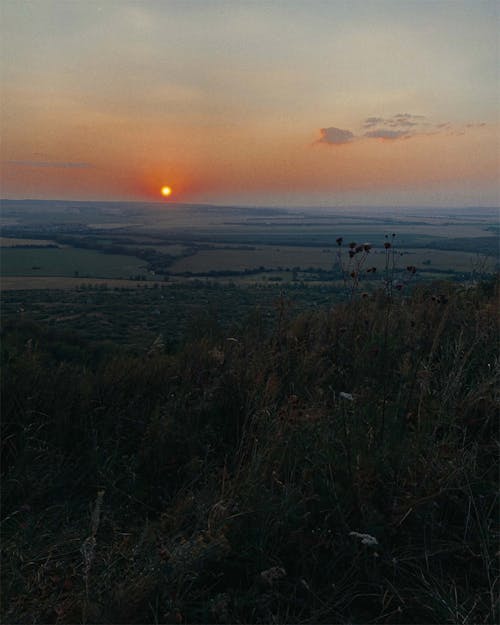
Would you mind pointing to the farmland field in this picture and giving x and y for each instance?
(16, 242)
(67, 262)
(180, 242)
(304, 257)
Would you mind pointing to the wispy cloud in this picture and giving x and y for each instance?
(399, 126)
(335, 136)
(373, 121)
(394, 128)
(384, 133)
(60, 165)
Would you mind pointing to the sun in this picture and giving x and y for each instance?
(166, 191)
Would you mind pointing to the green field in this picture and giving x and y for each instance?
(305, 257)
(68, 262)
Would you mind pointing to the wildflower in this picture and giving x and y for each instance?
(359, 248)
(352, 253)
(367, 247)
(387, 245)
(366, 539)
(347, 396)
(352, 245)
(339, 241)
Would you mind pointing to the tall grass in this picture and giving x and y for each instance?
(234, 481)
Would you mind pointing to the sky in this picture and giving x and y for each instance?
(279, 103)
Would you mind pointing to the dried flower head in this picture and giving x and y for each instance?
(352, 244)
(367, 247)
(366, 539)
(387, 245)
(339, 240)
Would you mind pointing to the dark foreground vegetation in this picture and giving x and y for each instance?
(342, 468)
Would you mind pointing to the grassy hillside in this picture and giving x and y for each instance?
(342, 469)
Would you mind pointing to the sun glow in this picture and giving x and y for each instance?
(166, 191)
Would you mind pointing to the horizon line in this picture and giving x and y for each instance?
(260, 206)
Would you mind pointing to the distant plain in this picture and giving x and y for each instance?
(152, 242)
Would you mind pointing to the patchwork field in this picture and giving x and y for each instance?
(306, 257)
(16, 242)
(154, 242)
(68, 262)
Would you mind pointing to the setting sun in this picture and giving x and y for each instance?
(166, 191)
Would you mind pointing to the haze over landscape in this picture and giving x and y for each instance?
(253, 103)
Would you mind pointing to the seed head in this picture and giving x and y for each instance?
(387, 245)
(339, 241)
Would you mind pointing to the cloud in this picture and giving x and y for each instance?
(390, 135)
(400, 126)
(66, 165)
(408, 116)
(396, 123)
(335, 136)
(373, 121)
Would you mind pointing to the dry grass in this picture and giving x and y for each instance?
(242, 474)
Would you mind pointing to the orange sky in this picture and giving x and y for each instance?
(225, 102)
